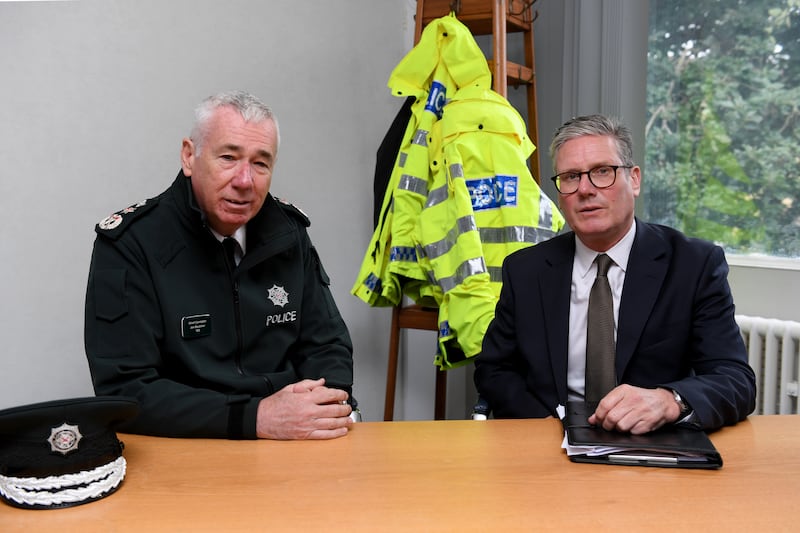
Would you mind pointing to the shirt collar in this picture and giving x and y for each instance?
(240, 236)
(619, 253)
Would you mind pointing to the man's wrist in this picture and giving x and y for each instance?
(682, 405)
(686, 412)
(684, 409)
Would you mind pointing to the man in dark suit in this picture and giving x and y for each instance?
(679, 357)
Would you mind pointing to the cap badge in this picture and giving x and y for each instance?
(64, 438)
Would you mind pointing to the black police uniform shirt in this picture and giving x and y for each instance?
(199, 342)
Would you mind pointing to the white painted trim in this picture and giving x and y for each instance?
(764, 262)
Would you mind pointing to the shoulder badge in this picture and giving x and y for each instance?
(293, 209)
(114, 224)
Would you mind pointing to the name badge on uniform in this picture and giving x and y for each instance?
(195, 326)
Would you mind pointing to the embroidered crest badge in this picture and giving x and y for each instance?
(64, 438)
(278, 296)
(115, 219)
(111, 221)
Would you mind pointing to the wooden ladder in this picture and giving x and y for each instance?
(497, 18)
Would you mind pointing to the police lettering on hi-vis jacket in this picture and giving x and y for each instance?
(209, 303)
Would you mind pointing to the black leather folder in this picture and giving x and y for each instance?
(672, 446)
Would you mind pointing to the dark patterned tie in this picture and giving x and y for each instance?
(600, 346)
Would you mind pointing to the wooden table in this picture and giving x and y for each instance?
(497, 475)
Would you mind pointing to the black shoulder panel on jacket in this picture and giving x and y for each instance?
(115, 224)
(294, 210)
(386, 156)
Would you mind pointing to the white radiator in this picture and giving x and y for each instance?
(774, 352)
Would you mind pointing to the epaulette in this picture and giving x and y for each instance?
(294, 210)
(113, 225)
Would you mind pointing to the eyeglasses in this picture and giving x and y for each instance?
(601, 177)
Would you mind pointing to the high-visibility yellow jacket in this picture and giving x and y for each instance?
(460, 197)
(483, 205)
(445, 58)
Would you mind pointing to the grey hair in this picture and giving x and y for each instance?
(594, 125)
(249, 107)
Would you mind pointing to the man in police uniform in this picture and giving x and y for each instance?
(209, 304)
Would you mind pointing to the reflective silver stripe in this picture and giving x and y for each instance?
(420, 138)
(496, 274)
(437, 196)
(431, 278)
(468, 268)
(441, 194)
(413, 184)
(401, 159)
(515, 234)
(545, 212)
(442, 246)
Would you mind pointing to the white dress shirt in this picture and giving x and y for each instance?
(584, 272)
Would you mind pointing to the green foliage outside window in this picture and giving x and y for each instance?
(723, 130)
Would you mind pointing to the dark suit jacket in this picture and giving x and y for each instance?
(676, 329)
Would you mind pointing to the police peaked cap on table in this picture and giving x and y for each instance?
(63, 452)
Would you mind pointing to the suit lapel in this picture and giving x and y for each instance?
(554, 286)
(647, 267)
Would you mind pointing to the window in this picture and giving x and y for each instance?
(723, 122)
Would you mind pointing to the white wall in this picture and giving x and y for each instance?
(95, 99)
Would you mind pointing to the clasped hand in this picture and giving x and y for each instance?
(304, 410)
(636, 410)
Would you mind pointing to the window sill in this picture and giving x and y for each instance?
(764, 261)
